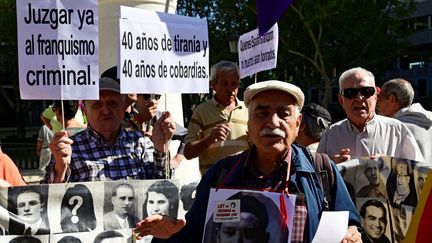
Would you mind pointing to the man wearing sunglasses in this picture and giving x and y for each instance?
(365, 133)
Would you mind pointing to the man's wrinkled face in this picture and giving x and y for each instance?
(248, 230)
(29, 206)
(273, 122)
(123, 201)
(374, 222)
(157, 203)
(106, 114)
(359, 109)
(226, 87)
(372, 172)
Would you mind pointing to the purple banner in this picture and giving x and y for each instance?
(269, 12)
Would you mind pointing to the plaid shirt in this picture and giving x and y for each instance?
(132, 157)
(253, 178)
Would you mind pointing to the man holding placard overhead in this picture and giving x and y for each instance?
(218, 126)
(105, 150)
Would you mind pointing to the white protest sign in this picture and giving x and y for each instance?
(58, 49)
(162, 53)
(258, 53)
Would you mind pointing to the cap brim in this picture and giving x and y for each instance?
(289, 88)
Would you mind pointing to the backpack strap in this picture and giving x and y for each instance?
(225, 170)
(324, 171)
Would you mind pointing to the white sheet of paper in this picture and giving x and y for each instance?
(332, 227)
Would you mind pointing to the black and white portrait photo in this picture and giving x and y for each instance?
(28, 210)
(421, 171)
(400, 183)
(162, 197)
(259, 221)
(375, 219)
(123, 213)
(375, 187)
(25, 239)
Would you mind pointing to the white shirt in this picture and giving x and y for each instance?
(123, 222)
(381, 135)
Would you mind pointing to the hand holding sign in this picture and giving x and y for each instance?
(61, 149)
(163, 131)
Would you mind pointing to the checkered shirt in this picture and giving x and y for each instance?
(253, 178)
(132, 157)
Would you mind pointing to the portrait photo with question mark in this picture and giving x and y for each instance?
(75, 209)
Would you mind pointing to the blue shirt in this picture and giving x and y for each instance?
(302, 177)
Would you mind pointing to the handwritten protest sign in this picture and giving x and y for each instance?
(258, 53)
(58, 49)
(160, 54)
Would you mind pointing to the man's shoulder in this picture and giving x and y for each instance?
(386, 120)
(339, 124)
(204, 106)
(82, 138)
(364, 191)
(109, 215)
(389, 123)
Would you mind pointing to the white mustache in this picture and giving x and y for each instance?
(268, 131)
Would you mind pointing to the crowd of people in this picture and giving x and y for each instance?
(263, 143)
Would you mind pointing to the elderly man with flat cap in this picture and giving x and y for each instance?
(105, 150)
(273, 163)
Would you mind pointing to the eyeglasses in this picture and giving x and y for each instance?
(351, 93)
(148, 96)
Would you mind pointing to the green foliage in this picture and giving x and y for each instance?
(318, 39)
(9, 65)
(224, 17)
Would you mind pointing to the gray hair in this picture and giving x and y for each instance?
(223, 65)
(315, 127)
(401, 89)
(350, 72)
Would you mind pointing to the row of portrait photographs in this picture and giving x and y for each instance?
(248, 216)
(399, 181)
(107, 236)
(77, 207)
(383, 222)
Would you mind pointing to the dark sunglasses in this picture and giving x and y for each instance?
(351, 93)
(148, 96)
